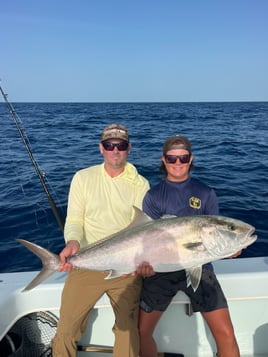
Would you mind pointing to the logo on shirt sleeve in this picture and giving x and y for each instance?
(195, 202)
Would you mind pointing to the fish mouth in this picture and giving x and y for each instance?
(250, 235)
(249, 238)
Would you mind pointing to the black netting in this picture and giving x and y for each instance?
(35, 331)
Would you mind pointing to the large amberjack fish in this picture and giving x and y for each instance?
(168, 244)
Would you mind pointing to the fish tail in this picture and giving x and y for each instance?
(49, 260)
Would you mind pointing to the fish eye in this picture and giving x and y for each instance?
(231, 227)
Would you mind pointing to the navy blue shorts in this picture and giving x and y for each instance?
(159, 289)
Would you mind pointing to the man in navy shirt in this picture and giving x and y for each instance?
(181, 195)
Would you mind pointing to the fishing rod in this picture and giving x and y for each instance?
(30, 153)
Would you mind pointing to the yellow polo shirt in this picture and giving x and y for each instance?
(100, 205)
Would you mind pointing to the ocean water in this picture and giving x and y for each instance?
(230, 145)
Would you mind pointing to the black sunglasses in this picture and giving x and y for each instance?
(108, 146)
(184, 159)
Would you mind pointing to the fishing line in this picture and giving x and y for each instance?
(24, 177)
(40, 175)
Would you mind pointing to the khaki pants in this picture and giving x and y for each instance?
(81, 291)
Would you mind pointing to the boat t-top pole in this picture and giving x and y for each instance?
(39, 173)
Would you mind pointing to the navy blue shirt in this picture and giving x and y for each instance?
(187, 198)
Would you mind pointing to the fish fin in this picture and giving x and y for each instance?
(113, 274)
(139, 218)
(193, 245)
(41, 276)
(49, 260)
(193, 276)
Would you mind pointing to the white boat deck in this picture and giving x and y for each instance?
(244, 281)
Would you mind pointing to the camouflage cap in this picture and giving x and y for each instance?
(115, 131)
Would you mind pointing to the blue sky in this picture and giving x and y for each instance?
(129, 51)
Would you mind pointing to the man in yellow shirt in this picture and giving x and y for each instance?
(100, 203)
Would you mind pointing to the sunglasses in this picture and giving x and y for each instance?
(108, 146)
(184, 159)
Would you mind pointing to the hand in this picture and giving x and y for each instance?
(145, 269)
(236, 254)
(71, 248)
(134, 273)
